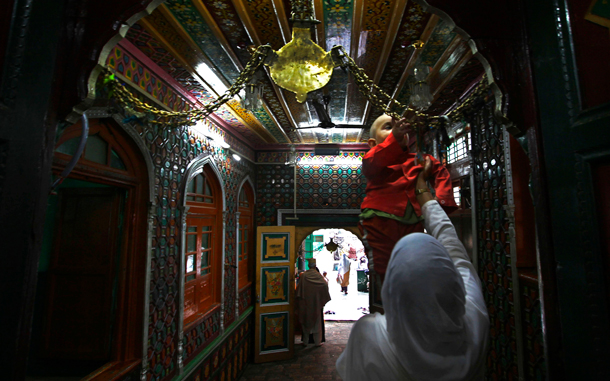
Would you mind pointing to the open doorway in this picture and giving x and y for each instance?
(335, 251)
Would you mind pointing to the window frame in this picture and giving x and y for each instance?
(467, 146)
(206, 288)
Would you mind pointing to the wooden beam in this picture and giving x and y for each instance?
(280, 13)
(198, 57)
(465, 58)
(397, 13)
(425, 37)
(318, 7)
(453, 46)
(222, 40)
(357, 14)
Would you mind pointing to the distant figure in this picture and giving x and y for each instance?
(324, 273)
(312, 295)
(352, 253)
(343, 275)
(363, 263)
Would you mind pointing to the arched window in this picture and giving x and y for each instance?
(246, 236)
(203, 252)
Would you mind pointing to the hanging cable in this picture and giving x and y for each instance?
(76, 156)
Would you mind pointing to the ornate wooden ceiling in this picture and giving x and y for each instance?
(182, 35)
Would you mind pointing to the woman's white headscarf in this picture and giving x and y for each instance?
(425, 333)
(424, 300)
(344, 264)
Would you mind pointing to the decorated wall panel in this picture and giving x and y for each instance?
(274, 190)
(323, 182)
(245, 299)
(494, 251)
(171, 150)
(228, 360)
(513, 308)
(141, 76)
(533, 345)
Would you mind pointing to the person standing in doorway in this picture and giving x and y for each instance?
(343, 275)
(312, 295)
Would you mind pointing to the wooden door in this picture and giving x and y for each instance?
(82, 275)
(274, 318)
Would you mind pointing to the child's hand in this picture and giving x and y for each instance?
(399, 130)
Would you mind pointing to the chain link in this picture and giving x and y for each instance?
(379, 98)
(131, 102)
(367, 87)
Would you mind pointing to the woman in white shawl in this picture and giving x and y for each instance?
(344, 271)
(435, 324)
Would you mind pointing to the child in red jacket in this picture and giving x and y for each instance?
(390, 210)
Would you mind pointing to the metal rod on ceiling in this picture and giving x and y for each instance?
(292, 159)
(295, 187)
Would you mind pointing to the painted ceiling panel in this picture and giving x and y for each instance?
(266, 120)
(227, 19)
(183, 34)
(414, 20)
(337, 27)
(272, 101)
(439, 41)
(374, 26)
(264, 18)
(464, 79)
(449, 65)
(241, 120)
(193, 23)
(140, 35)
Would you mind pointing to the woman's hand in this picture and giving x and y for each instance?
(425, 173)
(421, 184)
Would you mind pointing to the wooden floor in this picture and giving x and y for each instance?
(311, 363)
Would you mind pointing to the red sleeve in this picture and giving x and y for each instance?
(442, 186)
(381, 157)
